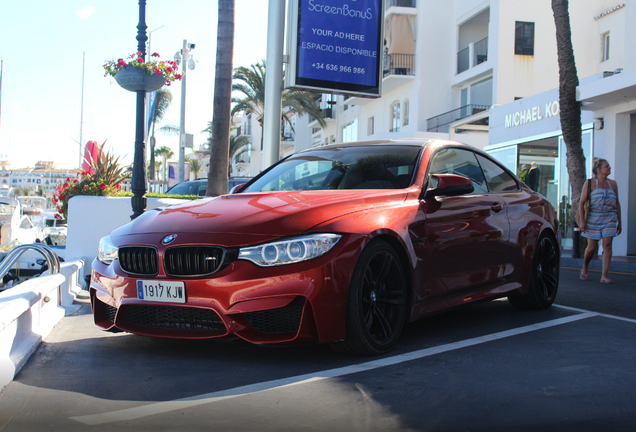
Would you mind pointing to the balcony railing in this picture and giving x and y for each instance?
(399, 64)
(399, 3)
(463, 60)
(441, 122)
(479, 55)
(481, 51)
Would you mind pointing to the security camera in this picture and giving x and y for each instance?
(191, 46)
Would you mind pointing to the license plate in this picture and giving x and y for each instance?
(161, 291)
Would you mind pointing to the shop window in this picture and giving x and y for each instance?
(524, 38)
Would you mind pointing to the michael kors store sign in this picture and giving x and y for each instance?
(536, 113)
(528, 118)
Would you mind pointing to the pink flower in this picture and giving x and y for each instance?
(58, 216)
(158, 71)
(102, 186)
(155, 54)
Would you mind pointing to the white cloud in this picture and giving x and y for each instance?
(85, 12)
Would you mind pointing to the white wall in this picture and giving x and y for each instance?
(90, 218)
(613, 143)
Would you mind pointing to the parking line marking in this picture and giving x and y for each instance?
(163, 407)
(616, 317)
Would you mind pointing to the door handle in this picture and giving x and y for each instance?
(496, 207)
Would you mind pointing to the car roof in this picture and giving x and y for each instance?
(414, 142)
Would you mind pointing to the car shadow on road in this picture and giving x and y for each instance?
(80, 358)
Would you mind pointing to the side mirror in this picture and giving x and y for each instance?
(237, 187)
(449, 185)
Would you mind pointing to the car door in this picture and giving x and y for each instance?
(504, 184)
(464, 235)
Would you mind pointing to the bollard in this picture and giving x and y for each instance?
(576, 236)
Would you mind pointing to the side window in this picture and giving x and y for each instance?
(460, 162)
(497, 178)
(524, 38)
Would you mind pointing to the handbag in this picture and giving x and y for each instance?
(586, 205)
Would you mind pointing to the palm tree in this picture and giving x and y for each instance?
(162, 103)
(570, 108)
(219, 147)
(237, 143)
(251, 82)
(195, 167)
(165, 153)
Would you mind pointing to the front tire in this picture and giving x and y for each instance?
(544, 277)
(376, 308)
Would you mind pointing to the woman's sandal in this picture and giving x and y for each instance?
(584, 275)
(607, 281)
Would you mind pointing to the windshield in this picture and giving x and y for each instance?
(360, 167)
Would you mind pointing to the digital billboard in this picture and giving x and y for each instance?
(336, 46)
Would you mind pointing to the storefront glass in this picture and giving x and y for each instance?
(507, 157)
(565, 189)
(536, 167)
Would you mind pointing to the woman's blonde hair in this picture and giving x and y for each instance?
(596, 164)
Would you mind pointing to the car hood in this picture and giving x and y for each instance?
(264, 215)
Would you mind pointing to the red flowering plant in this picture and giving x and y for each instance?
(104, 181)
(167, 68)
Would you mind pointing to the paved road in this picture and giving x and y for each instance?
(486, 367)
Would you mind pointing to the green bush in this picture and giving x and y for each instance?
(158, 195)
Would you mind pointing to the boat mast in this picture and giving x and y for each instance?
(81, 157)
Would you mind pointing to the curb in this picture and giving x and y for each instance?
(596, 264)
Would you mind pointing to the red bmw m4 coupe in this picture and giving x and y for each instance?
(342, 244)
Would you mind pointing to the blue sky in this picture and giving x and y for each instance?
(41, 45)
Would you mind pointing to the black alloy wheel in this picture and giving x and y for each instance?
(544, 277)
(376, 309)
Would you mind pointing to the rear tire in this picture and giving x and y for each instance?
(544, 277)
(376, 309)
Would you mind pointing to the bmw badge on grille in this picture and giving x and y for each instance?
(168, 239)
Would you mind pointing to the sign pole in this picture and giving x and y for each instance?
(273, 82)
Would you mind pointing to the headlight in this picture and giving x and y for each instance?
(290, 251)
(107, 251)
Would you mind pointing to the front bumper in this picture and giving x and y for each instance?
(292, 303)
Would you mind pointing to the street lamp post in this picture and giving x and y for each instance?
(139, 183)
(186, 58)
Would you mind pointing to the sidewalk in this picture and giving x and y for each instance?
(622, 264)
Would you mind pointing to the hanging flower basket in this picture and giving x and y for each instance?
(139, 75)
(135, 79)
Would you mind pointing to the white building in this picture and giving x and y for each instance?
(45, 176)
(459, 68)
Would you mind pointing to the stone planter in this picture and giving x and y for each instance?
(134, 79)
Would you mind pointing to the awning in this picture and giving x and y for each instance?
(398, 33)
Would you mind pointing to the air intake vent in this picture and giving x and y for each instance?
(174, 318)
(281, 320)
(193, 260)
(139, 260)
